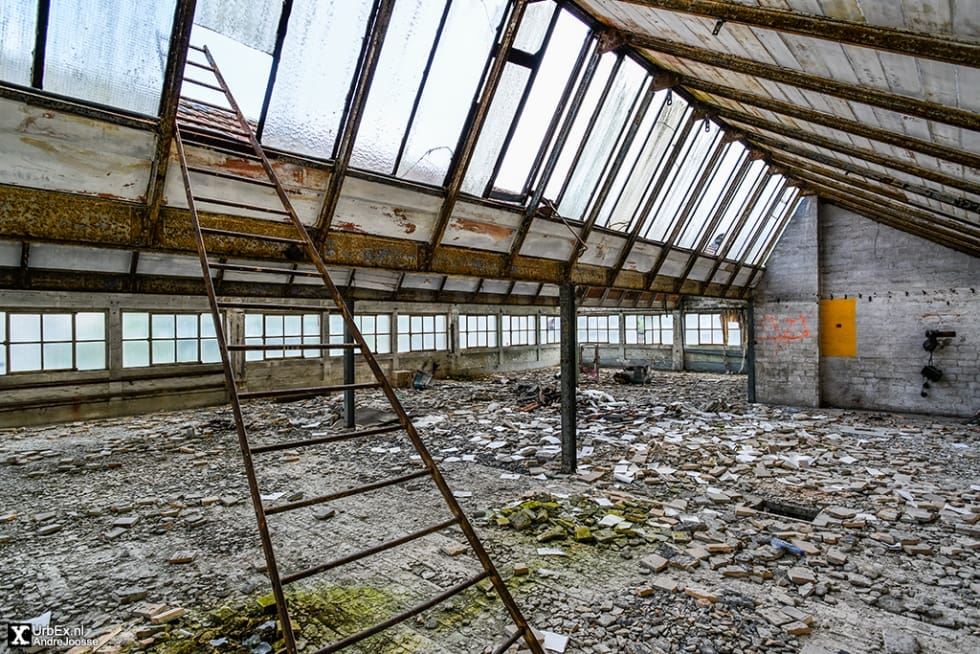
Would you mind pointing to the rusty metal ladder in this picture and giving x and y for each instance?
(190, 126)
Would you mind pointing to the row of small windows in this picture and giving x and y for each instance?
(77, 340)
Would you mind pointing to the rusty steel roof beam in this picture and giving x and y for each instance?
(284, 13)
(471, 133)
(746, 122)
(180, 39)
(806, 81)
(772, 144)
(367, 65)
(912, 44)
(905, 141)
(40, 43)
(856, 179)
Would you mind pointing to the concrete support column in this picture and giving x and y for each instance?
(349, 417)
(569, 380)
(677, 348)
(750, 351)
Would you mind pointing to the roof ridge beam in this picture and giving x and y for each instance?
(912, 44)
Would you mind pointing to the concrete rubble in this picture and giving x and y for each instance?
(695, 523)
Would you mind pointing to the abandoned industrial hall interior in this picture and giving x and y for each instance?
(490, 326)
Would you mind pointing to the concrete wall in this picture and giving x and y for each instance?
(787, 358)
(903, 286)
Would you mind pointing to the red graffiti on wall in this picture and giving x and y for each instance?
(783, 330)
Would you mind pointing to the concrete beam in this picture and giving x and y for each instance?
(808, 82)
(913, 44)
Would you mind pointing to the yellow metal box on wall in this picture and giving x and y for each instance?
(838, 328)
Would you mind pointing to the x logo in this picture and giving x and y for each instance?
(18, 635)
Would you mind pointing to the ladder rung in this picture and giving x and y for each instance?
(240, 205)
(404, 615)
(367, 488)
(199, 65)
(261, 237)
(370, 551)
(322, 440)
(259, 306)
(514, 637)
(313, 389)
(198, 82)
(192, 101)
(264, 269)
(292, 346)
(196, 47)
(231, 176)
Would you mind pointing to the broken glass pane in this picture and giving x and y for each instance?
(108, 51)
(688, 169)
(704, 211)
(245, 70)
(252, 22)
(470, 31)
(631, 81)
(556, 67)
(18, 21)
(308, 100)
(505, 100)
(403, 55)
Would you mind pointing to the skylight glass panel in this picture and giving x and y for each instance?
(577, 134)
(406, 48)
(687, 170)
(18, 24)
(251, 22)
(495, 128)
(469, 34)
(319, 57)
(758, 211)
(738, 204)
(721, 180)
(557, 66)
(110, 52)
(772, 224)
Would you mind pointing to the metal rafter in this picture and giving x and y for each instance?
(549, 167)
(775, 145)
(747, 122)
(180, 39)
(912, 44)
(611, 170)
(735, 182)
(40, 43)
(717, 152)
(287, 8)
(652, 195)
(806, 81)
(470, 135)
(367, 65)
(794, 165)
(902, 140)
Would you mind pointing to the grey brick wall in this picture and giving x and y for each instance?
(904, 285)
(787, 358)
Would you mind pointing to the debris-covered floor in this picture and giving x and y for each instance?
(697, 523)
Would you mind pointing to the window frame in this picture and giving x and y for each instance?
(7, 344)
(204, 334)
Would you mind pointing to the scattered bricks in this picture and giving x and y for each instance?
(455, 549)
(800, 575)
(47, 530)
(114, 533)
(736, 571)
(181, 557)
(644, 591)
(797, 628)
(147, 611)
(665, 584)
(774, 616)
(44, 517)
(8, 517)
(840, 512)
(125, 522)
(208, 501)
(700, 594)
(921, 515)
(917, 549)
(654, 563)
(167, 616)
(836, 557)
(521, 570)
(798, 615)
(743, 511)
(808, 548)
(324, 514)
